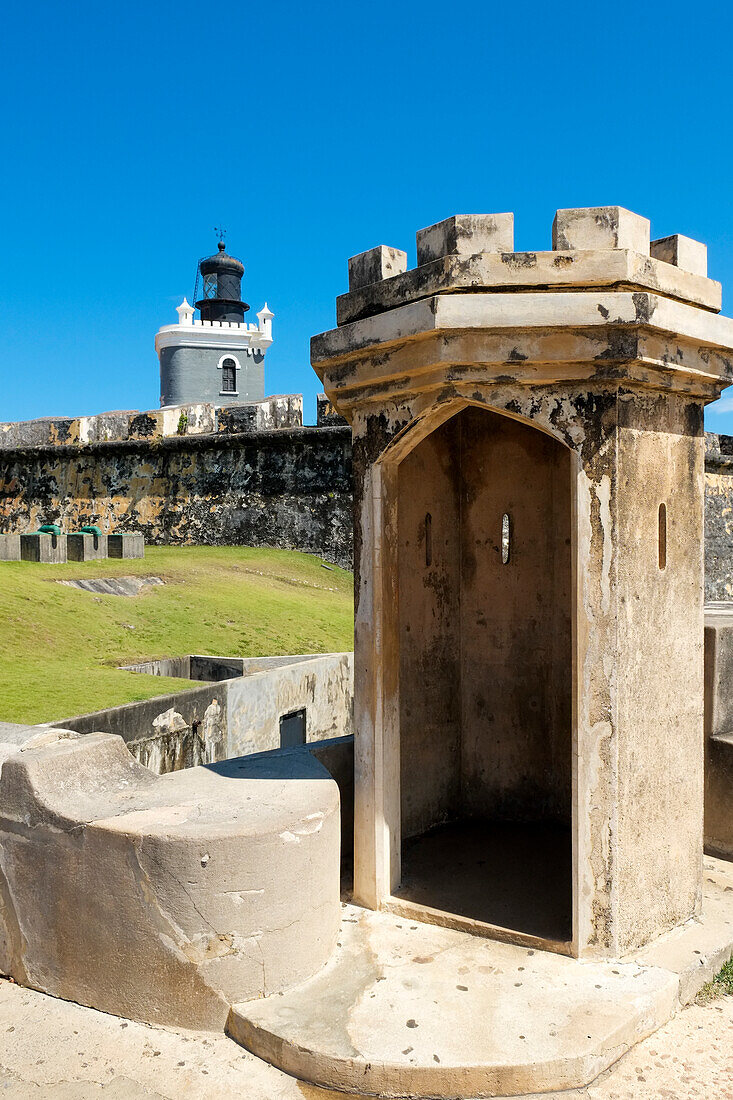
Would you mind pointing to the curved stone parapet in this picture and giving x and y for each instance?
(163, 898)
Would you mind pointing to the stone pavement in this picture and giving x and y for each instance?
(61, 1051)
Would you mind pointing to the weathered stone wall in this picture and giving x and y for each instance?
(282, 410)
(719, 730)
(323, 687)
(718, 517)
(289, 488)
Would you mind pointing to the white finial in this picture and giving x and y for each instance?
(185, 313)
(264, 318)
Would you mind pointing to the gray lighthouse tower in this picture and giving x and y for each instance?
(217, 358)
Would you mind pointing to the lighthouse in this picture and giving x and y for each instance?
(218, 357)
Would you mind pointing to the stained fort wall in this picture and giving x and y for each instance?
(248, 475)
(287, 487)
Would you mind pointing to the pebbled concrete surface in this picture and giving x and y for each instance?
(409, 1009)
(56, 1050)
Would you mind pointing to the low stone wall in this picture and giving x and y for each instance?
(278, 411)
(233, 716)
(165, 733)
(321, 686)
(289, 488)
(163, 900)
(166, 666)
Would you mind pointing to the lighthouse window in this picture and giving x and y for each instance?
(228, 376)
(210, 286)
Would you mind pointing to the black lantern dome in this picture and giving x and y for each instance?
(222, 295)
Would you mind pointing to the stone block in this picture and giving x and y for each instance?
(9, 547)
(326, 415)
(600, 227)
(49, 549)
(378, 263)
(105, 427)
(146, 425)
(683, 252)
(283, 410)
(465, 235)
(196, 419)
(81, 546)
(44, 432)
(130, 545)
(589, 269)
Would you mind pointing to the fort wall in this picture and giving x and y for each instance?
(243, 475)
(718, 517)
(238, 710)
(289, 488)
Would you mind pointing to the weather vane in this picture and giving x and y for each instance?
(221, 233)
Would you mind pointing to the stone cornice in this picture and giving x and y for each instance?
(517, 271)
(537, 337)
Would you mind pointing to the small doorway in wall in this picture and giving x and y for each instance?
(292, 729)
(485, 675)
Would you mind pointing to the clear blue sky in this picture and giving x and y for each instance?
(313, 132)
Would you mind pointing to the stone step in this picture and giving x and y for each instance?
(409, 1009)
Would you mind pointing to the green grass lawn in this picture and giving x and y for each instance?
(60, 646)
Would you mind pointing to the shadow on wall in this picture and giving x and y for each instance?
(719, 729)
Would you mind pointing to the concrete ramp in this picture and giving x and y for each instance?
(114, 586)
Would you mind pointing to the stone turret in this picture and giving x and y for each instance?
(528, 477)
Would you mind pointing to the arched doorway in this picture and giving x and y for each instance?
(484, 620)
